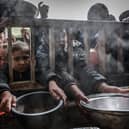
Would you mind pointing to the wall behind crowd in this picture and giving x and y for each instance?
(77, 9)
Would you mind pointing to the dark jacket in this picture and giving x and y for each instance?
(24, 76)
(87, 79)
(4, 80)
(83, 76)
(60, 75)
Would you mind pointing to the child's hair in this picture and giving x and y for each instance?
(20, 46)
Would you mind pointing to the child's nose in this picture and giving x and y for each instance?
(21, 61)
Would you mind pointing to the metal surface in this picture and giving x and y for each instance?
(110, 102)
(108, 111)
(35, 110)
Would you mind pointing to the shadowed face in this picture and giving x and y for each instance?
(21, 61)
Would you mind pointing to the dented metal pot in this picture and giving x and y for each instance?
(107, 111)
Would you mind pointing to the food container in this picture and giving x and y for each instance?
(107, 111)
(36, 110)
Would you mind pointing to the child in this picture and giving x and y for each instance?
(21, 61)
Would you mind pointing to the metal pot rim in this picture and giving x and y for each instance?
(36, 114)
(104, 95)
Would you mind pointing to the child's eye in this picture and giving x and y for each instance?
(25, 57)
(18, 58)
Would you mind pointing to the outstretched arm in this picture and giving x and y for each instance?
(7, 100)
(79, 95)
(56, 91)
(105, 88)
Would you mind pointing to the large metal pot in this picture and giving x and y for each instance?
(36, 110)
(107, 111)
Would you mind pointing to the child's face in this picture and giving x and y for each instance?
(21, 61)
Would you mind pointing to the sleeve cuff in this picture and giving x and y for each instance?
(4, 87)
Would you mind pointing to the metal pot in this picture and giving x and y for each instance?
(107, 111)
(36, 110)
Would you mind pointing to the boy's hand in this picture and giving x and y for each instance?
(56, 91)
(7, 101)
(78, 94)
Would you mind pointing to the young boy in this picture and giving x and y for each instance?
(21, 72)
(21, 61)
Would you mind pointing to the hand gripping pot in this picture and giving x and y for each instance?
(107, 110)
(36, 110)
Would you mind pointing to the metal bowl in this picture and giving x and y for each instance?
(107, 111)
(36, 110)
